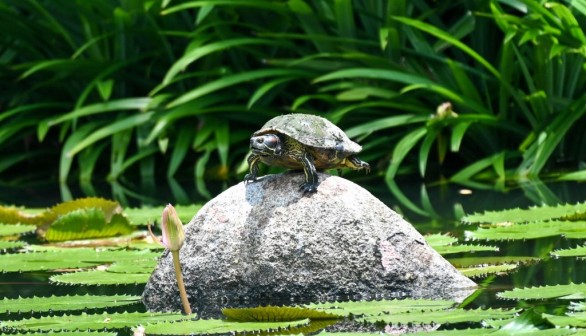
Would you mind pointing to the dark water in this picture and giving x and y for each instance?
(435, 208)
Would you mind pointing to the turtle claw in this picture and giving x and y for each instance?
(308, 187)
(248, 178)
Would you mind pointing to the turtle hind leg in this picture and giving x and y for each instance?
(354, 162)
(311, 178)
(253, 161)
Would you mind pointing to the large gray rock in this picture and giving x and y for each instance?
(267, 241)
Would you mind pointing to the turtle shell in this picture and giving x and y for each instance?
(312, 131)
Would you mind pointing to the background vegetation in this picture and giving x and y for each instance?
(133, 89)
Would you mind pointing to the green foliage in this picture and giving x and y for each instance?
(87, 223)
(374, 308)
(130, 88)
(218, 327)
(579, 251)
(444, 244)
(65, 303)
(146, 215)
(531, 231)
(533, 214)
(63, 258)
(11, 245)
(275, 314)
(483, 271)
(442, 316)
(101, 277)
(569, 292)
(85, 321)
(16, 229)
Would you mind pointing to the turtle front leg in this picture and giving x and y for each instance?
(354, 162)
(253, 161)
(311, 179)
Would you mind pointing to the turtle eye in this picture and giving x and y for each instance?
(271, 140)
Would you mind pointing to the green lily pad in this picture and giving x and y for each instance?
(485, 270)
(499, 260)
(54, 258)
(579, 251)
(134, 266)
(378, 307)
(218, 327)
(275, 314)
(442, 316)
(86, 224)
(63, 303)
(570, 291)
(11, 245)
(85, 321)
(534, 230)
(100, 277)
(577, 320)
(534, 214)
(16, 229)
(436, 240)
(150, 215)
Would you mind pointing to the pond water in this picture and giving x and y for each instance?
(434, 209)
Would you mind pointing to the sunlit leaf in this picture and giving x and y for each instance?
(64, 303)
(86, 224)
(63, 258)
(579, 251)
(100, 277)
(496, 260)
(442, 316)
(16, 229)
(275, 314)
(11, 245)
(379, 307)
(217, 327)
(533, 214)
(482, 271)
(570, 291)
(577, 320)
(85, 321)
(532, 230)
(151, 215)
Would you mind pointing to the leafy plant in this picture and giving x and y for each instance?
(65, 303)
(568, 292)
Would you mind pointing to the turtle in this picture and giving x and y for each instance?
(303, 141)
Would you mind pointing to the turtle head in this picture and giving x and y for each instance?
(266, 144)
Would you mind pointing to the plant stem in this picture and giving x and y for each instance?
(180, 283)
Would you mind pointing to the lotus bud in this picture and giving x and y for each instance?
(173, 234)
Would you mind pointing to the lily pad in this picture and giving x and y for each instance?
(85, 321)
(63, 303)
(499, 260)
(570, 291)
(62, 258)
(485, 270)
(275, 314)
(534, 214)
(217, 327)
(383, 306)
(11, 245)
(150, 215)
(16, 229)
(576, 230)
(442, 316)
(436, 240)
(86, 224)
(100, 277)
(579, 251)
(577, 320)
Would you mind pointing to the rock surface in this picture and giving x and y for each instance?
(267, 241)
